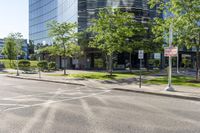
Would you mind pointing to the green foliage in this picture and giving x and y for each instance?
(99, 63)
(186, 62)
(185, 20)
(110, 30)
(34, 64)
(13, 46)
(24, 65)
(33, 57)
(65, 39)
(7, 64)
(43, 65)
(51, 66)
(185, 16)
(154, 62)
(177, 80)
(98, 75)
(9, 49)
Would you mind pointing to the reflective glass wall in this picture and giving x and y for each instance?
(43, 11)
(40, 13)
(80, 11)
(88, 9)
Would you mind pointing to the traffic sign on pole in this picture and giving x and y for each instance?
(157, 55)
(141, 54)
(171, 51)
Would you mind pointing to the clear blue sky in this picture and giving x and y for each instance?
(13, 17)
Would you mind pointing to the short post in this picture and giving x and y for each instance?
(177, 62)
(140, 73)
(17, 66)
(39, 71)
(140, 56)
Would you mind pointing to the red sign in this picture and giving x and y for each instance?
(171, 51)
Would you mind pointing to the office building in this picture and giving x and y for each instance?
(81, 12)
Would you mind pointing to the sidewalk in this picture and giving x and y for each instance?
(130, 85)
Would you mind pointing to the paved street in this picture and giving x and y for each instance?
(39, 107)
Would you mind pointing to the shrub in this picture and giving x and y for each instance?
(33, 57)
(154, 62)
(24, 65)
(43, 65)
(98, 63)
(52, 66)
(157, 63)
(186, 62)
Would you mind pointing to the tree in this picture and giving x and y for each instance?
(13, 45)
(9, 49)
(18, 37)
(65, 38)
(185, 17)
(110, 30)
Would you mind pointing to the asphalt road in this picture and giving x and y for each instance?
(40, 107)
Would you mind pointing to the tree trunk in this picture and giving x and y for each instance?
(64, 59)
(65, 66)
(107, 63)
(197, 60)
(147, 62)
(110, 64)
(197, 63)
(130, 60)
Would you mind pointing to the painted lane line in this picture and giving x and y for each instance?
(25, 105)
(36, 94)
(57, 101)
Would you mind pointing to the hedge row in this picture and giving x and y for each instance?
(43, 65)
(7, 64)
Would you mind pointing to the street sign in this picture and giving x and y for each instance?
(141, 54)
(157, 55)
(171, 51)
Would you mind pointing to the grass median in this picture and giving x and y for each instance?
(98, 75)
(176, 80)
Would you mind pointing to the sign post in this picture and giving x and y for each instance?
(170, 52)
(177, 62)
(140, 56)
(157, 56)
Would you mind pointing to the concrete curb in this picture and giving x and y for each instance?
(159, 94)
(116, 89)
(45, 80)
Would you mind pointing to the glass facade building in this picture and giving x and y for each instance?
(40, 12)
(80, 11)
(43, 11)
(88, 9)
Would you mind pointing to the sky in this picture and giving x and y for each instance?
(13, 17)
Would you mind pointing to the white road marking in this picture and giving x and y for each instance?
(25, 96)
(10, 104)
(57, 101)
